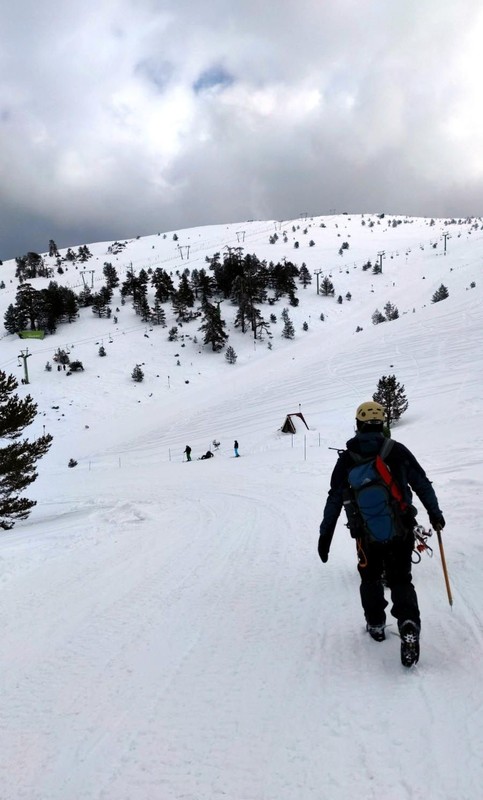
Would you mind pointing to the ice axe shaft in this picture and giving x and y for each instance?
(445, 570)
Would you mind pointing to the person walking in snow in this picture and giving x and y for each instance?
(388, 562)
(235, 447)
(187, 450)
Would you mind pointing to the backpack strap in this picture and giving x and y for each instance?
(386, 475)
(386, 448)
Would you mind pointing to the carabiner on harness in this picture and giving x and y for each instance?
(421, 535)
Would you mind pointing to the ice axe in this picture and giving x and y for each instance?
(443, 564)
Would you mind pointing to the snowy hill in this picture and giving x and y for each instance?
(168, 630)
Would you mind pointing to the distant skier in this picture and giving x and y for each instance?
(235, 447)
(208, 454)
(390, 558)
(187, 450)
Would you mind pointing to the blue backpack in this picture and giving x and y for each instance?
(376, 496)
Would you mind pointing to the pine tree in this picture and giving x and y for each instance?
(18, 459)
(158, 313)
(288, 328)
(11, 320)
(230, 355)
(185, 293)
(163, 285)
(180, 308)
(377, 317)
(137, 374)
(390, 394)
(28, 304)
(441, 294)
(110, 274)
(326, 287)
(143, 309)
(283, 278)
(84, 254)
(259, 324)
(213, 327)
(391, 311)
(85, 297)
(99, 305)
(206, 285)
(53, 251)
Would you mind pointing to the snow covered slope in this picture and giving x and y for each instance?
(167, 628)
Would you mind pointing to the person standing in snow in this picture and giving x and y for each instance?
(187, 450)
(390, 559)
(235, 447)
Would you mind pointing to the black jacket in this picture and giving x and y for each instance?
(407, 472)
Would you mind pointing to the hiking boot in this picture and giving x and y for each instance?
(377, 632)
(409, 633)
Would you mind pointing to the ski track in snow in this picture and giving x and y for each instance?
(215, 662)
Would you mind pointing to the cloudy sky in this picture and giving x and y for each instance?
(129, 117)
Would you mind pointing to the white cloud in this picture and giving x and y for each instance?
(122, 114)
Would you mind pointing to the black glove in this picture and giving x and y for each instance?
(324, 547)
(437, 522)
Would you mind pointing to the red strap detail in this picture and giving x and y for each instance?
(386, 476)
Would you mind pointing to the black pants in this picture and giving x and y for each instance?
(394, 561)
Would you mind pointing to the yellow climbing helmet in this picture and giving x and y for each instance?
(370, 412)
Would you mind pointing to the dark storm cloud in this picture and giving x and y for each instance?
(214, 77)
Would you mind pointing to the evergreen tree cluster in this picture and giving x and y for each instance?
(100, 302)
(244, 280)
(83, 254)
(257, 278)
(32, 266)
(41, 309)
(390, 312)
